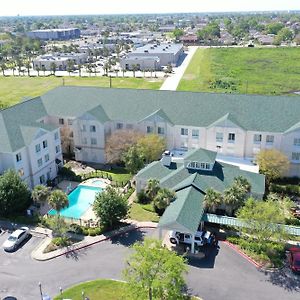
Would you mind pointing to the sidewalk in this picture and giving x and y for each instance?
(171, 83)
(38, 254)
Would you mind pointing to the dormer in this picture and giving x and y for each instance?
(200, 159)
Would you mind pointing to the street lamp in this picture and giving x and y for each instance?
(82, 294)
(61, 291)
(40, 286)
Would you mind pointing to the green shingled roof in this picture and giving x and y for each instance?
(185, 213)
(99, 113)
(200, 155)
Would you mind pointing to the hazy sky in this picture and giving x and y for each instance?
(64, 7)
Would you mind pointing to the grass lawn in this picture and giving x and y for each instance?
(100, 289)
(143, 212)
(243, 70)
(13, 89)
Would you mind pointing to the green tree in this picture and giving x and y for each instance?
(152, 188)
(274, 28)
(163, 199)
(38, 69)
(53, 68)
(28, 65)
(40, 194)
(212, 200)
(261, 220)
(154, 272)
(58, 226)
(285, 34)
(272, 163)
(110, 207)
(70, 66)
(152, 146)
(14, 194)
(3, 67)
(133, 159)
(58, 200)
(178, 33)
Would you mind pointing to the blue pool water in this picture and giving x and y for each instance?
(79, 201)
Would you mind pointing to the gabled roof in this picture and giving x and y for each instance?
(201, 155)
(30, 133)
(227, 120)
(184, 214)
(158, 115)
(293, 128)
(99, 113)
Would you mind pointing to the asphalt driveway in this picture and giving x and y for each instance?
(222, 274)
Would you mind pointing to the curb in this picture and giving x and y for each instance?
(95, 242)
(244, 255)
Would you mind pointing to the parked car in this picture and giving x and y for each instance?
(16, 238)
(201, 238)
(294, 259)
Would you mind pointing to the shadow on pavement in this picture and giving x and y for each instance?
(181, 59)
(207, 261)
(129, 238)
(284, 278)
(75, 254)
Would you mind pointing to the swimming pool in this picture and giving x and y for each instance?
(79, 201)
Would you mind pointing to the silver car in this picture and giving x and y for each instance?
(17, 237)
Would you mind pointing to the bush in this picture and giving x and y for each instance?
(142, 198)
(290, 189)
(92, 232)
(67, 173)
(76, 229)
(60, 241)
(85, 231)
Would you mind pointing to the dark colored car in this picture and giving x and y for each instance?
(294, 259)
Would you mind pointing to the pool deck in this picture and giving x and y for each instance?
(90, 182)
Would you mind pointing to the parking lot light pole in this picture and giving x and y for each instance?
(41, 292)
(61, 291)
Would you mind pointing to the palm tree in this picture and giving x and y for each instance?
(163, 199)
(212, 200)
(58, 200)
(152, 188)
(38, 70)
(234, 197)
(53, 68)
(243, 183)
(40, 194)
(70, 66)
(20, 65)
(44, 69)
(3, 67)
(27, 64)
(134, 69)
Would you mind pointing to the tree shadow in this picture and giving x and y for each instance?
(74, 253)
(205, 262)
(284, 278)
(129, 238)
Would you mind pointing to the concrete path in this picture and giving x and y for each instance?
(171, 83)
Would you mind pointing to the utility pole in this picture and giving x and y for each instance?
(110, 81)
(63, 81)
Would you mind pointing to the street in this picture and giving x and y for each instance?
(222, 274)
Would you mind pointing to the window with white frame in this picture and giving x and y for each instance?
(231, 137)
(45, 144)
(18, 157)
(149, 129)
(56, 135)
(83, 128)
(119, 126)
(257, 138)
(40, 162)
(61, 121)
(70, 122)
(37, 148)
(184, 131)
(93, 141)
(296, 141)
(92, 128)
(270, 139)
(42, 179)
(296, 156)
(47, 157)
(160, 130)
(195, 133)
(219, 137)
(57, 149)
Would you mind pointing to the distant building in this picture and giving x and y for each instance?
(167, 28)
(153, 56)
(60, 60)
(189, 39)
(55, 34)
(266, 39)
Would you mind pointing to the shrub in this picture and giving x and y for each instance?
(142, 197)
(92, 232)
(85, 230)
(60, 241)
(76, 229)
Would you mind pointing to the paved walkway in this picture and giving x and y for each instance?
(171, 83)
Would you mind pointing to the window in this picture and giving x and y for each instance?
(61, 121)
(57, 148)
(40, 162)
(231, 137)
(184, 131)
(296, 156)
(37, 148)
(92, 128)
(160, 130)
(47, 157)
(149, 129)
(195, 133)
(45, 144)
(42, 179)
(83, 128)
(129, 126)
(270, 139)
(93, 141)
(219, 137)
(18, 157)
(296, 141)
(21, 172)
(119, 126)
(84, 141)
(56, 135)
(257, 138)
(70, 122)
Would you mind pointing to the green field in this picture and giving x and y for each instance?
(243, 70)
(13, 89)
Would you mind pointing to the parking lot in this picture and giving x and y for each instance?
(220, 274)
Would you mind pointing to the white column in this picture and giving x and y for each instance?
(193, 243)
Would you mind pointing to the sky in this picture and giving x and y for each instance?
(81, 7)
